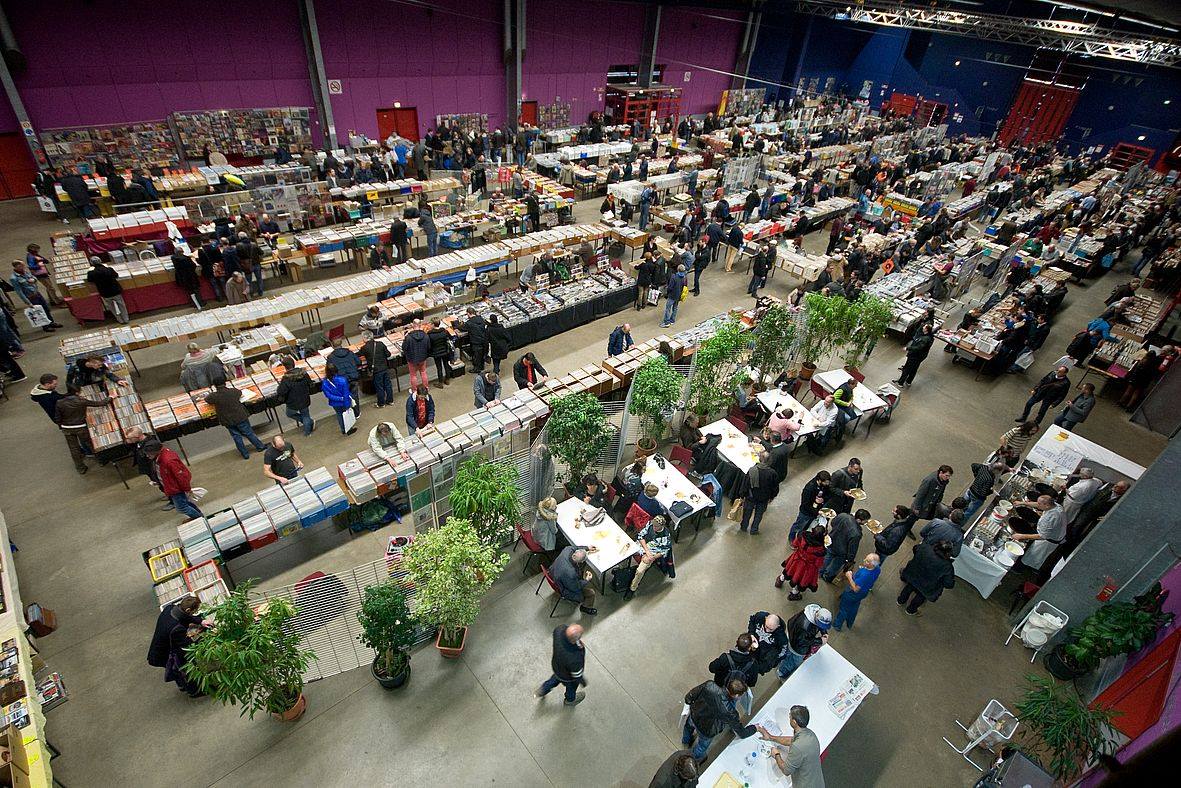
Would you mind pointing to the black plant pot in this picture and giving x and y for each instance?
(391, 682)
(1060, 666)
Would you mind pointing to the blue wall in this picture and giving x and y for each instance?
(980, 89)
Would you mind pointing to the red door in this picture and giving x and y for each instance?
(529, 112)
(17, 169)
(402, 121)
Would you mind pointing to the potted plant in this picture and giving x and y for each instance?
(655, 389)
(774, 339)
(251, 657)
(717, 361)
(485, 494)
(451, 568)
(822, 328)
(871, 316)
(388, 628)
(1060, 729)
(577, 432)
(1112, 630)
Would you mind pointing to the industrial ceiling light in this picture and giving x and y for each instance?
(1141, 138)
(957, 63)
(1168, 102)
(1074, 7)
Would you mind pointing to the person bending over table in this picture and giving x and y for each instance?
(801, 762)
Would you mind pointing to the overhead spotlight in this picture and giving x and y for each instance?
(1141, 138)
(957, 62)
(1168, 102)
(1109, 109)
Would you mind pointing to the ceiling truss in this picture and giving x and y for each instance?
(1069, 37)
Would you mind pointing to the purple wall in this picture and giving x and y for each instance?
(441, 60)
(569, 46)
(680, 48)
(114, 62)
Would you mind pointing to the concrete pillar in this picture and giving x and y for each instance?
(311, 42)
(648, 53)
(32, 139)
(514, 54)
(1138, 540)
(742, 62)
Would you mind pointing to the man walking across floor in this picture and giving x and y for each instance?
(845, 532)
(232, 415)
(762, 484)
(176, 481)
(568, 663)
(672, 294)
(70, 415)
(1049, 391)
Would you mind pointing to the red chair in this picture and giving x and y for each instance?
(1022, 595)
(741, 424)
(609, 494)
(817, 391)
(636, 518)
(682, 459)
(546, 577)
(531, 545)
(335, 333)
(856, 375)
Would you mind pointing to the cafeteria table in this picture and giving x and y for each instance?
(775, 400)
(865, 400)
(674, 487)
(736, 457)
(614, 545)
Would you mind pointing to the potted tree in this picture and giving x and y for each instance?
(870, 316)
(388, 628)
(251, 657)
(577, 432)
(654, 391)
(485, 494)
(1112, 630)
(774, 340)
(823, 329)
(451, 568)
(718, 360)
(1060, 729)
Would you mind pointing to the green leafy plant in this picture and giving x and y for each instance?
(825, 326)
(1059, 729)
(250, 658)
(774, 339)
(485, 494)
(387, 626)
(655, 389)
(870, 317)
(577, 431)
(1117, 628)
(718, 360)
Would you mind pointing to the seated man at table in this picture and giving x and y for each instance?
(783, 422)
(843, 398)
(744, 397)
(825, 414)
(656, 540)
(573, 577)
(645, 508)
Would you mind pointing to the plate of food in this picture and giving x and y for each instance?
(874, 526)
(858, 494)
(827, 513)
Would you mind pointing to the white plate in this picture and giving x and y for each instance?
(1004, 559)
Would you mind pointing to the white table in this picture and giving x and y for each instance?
(614, 546)
(735, 445)
(813, 684)
(865, 399)
(979, 570)
(675, 487)
(775, 400)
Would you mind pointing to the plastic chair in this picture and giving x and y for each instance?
(531, 544)
(335, 333)
(1042, 608)
(609, 494)
(681, 458)
(636, 518)
(856, 375)
(817, 391)
(995, 722)
(742, 426)
(546, 577)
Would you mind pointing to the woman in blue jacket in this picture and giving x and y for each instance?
(336, 391)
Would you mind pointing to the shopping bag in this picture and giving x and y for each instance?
(735, 512)
(46, 204)
(684, 292)
(1024, 360)
(197, 493)
(37, 317)
(653, 296)
(350, 418)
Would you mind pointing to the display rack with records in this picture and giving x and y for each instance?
(136, 146)
(249, 133)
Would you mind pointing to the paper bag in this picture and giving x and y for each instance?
(735, 512)
(350, 418)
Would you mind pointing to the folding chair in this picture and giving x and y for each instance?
(636, 518)
(531, 545)
(609, 495)
(817, 391)
(335, 333)
(546, 577)
(996, 724)
(742, 426)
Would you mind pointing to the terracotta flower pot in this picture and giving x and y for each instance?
(645, 447)
(295, 712)
(451, 651)
(807, 369)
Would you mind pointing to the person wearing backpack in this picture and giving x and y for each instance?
(738, 663)
(674, 291)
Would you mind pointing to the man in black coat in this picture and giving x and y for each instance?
(400, 239)
(928, 498)
(567, 662)
(812, 498)
(770, 639)
(440, 339)
(182, 613)
(528, 371)
(845, 532)
(739, 662)
(476, 328)
(499, 342)
(1049, 391)
(762, 485)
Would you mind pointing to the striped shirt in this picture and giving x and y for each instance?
(1016, 439)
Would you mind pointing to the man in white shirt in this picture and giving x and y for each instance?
(1080, 493)
(1051, 531)
(825, 413)
(385, 440)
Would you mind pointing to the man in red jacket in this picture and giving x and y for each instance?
(176, 481)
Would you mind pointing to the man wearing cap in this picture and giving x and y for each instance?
(806, 631)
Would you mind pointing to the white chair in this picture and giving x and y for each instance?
(995, 724)
(1037, 629)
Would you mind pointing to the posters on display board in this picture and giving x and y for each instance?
(1064, 452)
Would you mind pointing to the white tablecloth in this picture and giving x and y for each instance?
(775, 400)
(813, 684)
(671, 483)
(865, 399)
(735, 446)
(614, 545)
(979, 570)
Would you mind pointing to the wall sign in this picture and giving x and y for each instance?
(335, 87)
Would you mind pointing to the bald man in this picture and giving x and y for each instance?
(770, 639)
(567, 662)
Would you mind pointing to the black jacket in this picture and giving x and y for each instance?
(890, 539)
(169, 619)
(711, 712)
(846, 536)
(105, 281)
(928, 573)
(705, 455)
(735, 661)
(568, 658)
(499, 341)
(920, 346)
(376, 355)
(768, 654)
(477, 331)
(666, 776)
(519, 372)
(928, 495)
(228, 404)
(416, 348)
(440, 342)
(802, 634)
(1052, 389)
(295, 389)
(808, 497)
(768, 484)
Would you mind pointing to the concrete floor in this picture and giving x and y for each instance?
(474, 720)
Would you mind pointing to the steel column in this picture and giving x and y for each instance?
(311, 42)
(648, 53)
